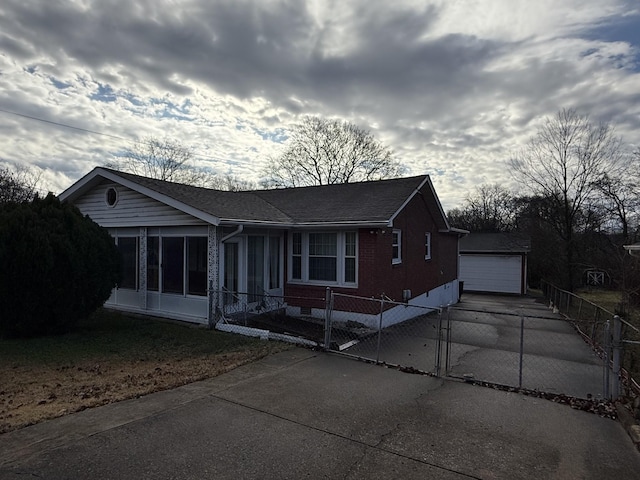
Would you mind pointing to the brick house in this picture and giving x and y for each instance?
(183, 245)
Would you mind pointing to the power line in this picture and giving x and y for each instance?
(86, 130)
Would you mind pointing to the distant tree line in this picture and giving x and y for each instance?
(579, 203)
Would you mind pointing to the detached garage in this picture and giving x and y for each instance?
(494, 263)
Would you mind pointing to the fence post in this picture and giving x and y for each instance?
(521, 350)
(379, 330)
(327, 319)
(617, 355)
(447, 357)
(210, 312)
(607, 349)
(439, 345)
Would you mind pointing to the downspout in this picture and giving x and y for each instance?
(232, 234)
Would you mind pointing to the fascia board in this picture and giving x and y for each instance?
(258, 223)
(427, 180)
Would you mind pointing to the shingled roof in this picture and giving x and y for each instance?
(495, 243)
(364, 203)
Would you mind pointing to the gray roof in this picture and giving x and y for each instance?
(495, 243)
(375, 202)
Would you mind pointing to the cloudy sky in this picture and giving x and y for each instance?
(452, 86)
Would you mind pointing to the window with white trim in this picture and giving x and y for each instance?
(323, 257)
(397, 247)
(177, 264)
(427, 245)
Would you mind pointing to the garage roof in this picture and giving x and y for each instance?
(495, 243)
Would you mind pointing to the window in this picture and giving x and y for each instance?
(323, 256)
(397, 247)
(128, 247)
(427, 246)
(173, 265)
(350, 257)
(327, 257)
(296, 256)
(153, 263)
(197, 265)
(111, 197)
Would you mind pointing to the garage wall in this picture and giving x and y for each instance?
(492, 273)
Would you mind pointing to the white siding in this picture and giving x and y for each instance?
(491, 273)
(132, 209)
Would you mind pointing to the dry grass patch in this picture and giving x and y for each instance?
(110, 358)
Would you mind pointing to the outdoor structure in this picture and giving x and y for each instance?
(187, 250)
(494, 262)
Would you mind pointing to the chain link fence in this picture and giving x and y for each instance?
(516, 343)
(383, 331)
(288, 318)
(617, 340)
(528, 349)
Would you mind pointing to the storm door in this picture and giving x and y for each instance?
(255, 268)
(231, 274)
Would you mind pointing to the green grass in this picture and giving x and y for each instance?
(108, 334)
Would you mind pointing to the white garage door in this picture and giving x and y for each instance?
(491, 273)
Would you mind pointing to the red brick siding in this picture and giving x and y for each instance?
(377, 275)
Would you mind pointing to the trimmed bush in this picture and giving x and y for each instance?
(56, 267)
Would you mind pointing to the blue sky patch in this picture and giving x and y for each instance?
(58, 84)
(104, 94)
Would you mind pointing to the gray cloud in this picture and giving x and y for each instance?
(452, 94)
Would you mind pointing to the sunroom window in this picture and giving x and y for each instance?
(128, 247)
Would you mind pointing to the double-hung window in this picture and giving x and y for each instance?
(397, 247)
(427, 246)
(323, 257)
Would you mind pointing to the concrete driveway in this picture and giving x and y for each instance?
(304, 414)
(486, 335)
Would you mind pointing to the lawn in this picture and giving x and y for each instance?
(112, 357)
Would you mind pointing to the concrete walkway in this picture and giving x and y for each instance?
(304, 414)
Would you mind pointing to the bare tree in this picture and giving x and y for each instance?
(163, 159)
(18, 184)
(562, 164)
(489, 209)
(325, 152)
(231, 183)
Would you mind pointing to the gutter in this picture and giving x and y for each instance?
(232, 234)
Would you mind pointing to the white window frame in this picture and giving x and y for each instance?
(340, 259)
(427, 246)
(396, 260)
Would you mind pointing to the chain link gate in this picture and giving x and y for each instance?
(530, 349)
